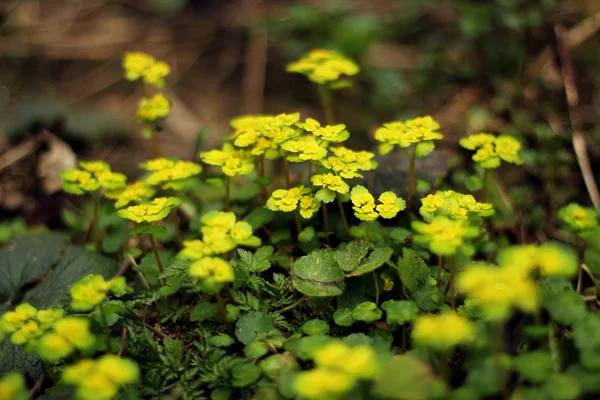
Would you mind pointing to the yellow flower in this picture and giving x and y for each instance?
(195, 249)
(141, 65)
(249, 122)
(344, 169)
(212, 267)
(323, 66)
(308, 206)
(421, 131)
(101, 379)
(331, 182)
(53, 347)
(93, 176)
(280, 128)
(219, 220)
(490, 149)
(390, 205)
(12, 320)
(68, 334)
(329, 133)
(497, 290)
(134, 192)
(286, 200)
(12, 387)
(550, 259)
(154, 108)
(28, 331)
(581, 220)
(445, 236)
(364, 159)
(232, 162)
(321, 383)
(443, 331)
(91, 290)
(307, 147)
(156, 74)
(454, 205)
(170, 173)
(358, 361)
(47, 318)
(156, 210)
(363, 204)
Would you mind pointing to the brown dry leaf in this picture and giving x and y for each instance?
(58, 158)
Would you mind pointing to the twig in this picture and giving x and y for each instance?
(37, 386)
(579, 145)
(291, 307)
(124, 267)
(123, 338)
(153, 329)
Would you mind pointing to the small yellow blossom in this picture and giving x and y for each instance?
(550, 259)
(154, 108)
(232, 162)
(93, 176)
(443, 331)
(583, 221)
(212, 267)
(90, 291)
(133, 193)
(156, 210)
(321, 383)
(141, 65)
(12, 387)
(328, 133)
(286, 200)
(101, 379)
(490, 149)
(358, 361)
(156, 74)
(306, 147)
(390, 205)
(68, 334)
(364, 159)
(170, 173)
(445, 236)
(421, 131)
(344, 169)
(324, 66)
(280, 128)
(195, 249)
(363, 204)
(453, 205)
(331, 182)
(308, 206)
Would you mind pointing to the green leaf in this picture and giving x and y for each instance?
(343, 317)
(562, 302)
(317, 274)
(251, 326)
(586, 334)
(400, 312)
(259, 217)
(349, 257)
(325, 195)
(412, 269)
(13, 358)
(304, 348)
(407, 378)
(562, 387)
(221, 340)
(156, 230)
(74, 265)
(367, 312)
(399, 235)
(149, 267)
(257, 262)
(204, 310)
(315, 327)
(27, 258)
(256, 350)
(307, 234)
(244, 374)
(423, 149)
(535, 366)
(376, 259)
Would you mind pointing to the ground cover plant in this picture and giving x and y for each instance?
(268, 268)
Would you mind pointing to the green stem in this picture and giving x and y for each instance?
(343, 215)
(106, 328)
(286, 171)
(439, 269)
(404, 338)
(499, 350)
(452, 286)
(367, 231)
(176, 222)
(227, 194)
(95, 219)
(224, 314)
(297, 221)
(411, 177)
(261, 174)
(50, 372)
(326, 103)
(325, 221)
(155, 144)
(155, 251)
(376, 288)
(291, 307)
(484, 186)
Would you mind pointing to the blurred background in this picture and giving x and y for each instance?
(488, 65)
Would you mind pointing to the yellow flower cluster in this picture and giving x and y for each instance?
(92, 176)
(90, 291)
(232, 162)
(289, 200)
(421, 131)
(169, 173)
(363, 204)
(68, 334)
(101, 379)
(364, 159)
(581, 220)
(331, 182)
(264, 133)
(491, 149)
(324, 66)
(141, 65)
(338, 369)
(153, 211)
(306, 147)
(26, 322)
(212, 267)
(496, 290)
(454, 205)
(549, 259)
(444, 235)
(12, 387)
(151, 109)
(133, 193)
(328, 133)
(443, 331)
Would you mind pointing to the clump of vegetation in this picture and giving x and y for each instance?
(242, 282)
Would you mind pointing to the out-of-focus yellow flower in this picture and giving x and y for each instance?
(68, 334)
(232, 162)
(308, 206)
(93, 176)
(550, 259)
(443, 331)
(141, 65)
(101, 379)
(12, 387)
(212, 267)
(156, 210)
(324, 66)
(445, 236)
(306, 147)
(286, 200)
(133, 193)
(170, 173)
(497, 290)
(91, 290)
(490, 149)
(321, 383)
(421, 131)
(582, 221)
(154, 108)
(357, 361)
(454, 205)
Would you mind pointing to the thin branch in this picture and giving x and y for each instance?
(123, 338)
